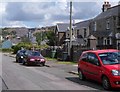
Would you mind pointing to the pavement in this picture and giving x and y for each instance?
(69, 68)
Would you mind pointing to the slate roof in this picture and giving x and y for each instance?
(62, 27)
(83, 24)
(7, 44)
(113, 11)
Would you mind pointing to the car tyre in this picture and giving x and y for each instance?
(42, 64)
(81, 75)
(23, 62)
(16, 60)
(106, 83)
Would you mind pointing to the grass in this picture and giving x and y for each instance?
(60, 62)
(50, 59)
(67, 62)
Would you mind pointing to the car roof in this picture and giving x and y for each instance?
(102, 51)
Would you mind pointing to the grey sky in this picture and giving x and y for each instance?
(34, 14)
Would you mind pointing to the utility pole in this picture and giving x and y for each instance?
(70, 29)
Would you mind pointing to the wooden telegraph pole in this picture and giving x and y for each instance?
(70, 29)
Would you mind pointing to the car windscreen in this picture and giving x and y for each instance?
(110, 58)
(21, 51)
(35, 54)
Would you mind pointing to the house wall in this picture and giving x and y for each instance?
(81, 32)
(101, 25)
(61, 38)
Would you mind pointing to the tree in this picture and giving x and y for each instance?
(48, 35)
(51, 38)
(25, 39)
(40, 36)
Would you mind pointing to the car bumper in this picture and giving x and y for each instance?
(115, 81)
(35, 62)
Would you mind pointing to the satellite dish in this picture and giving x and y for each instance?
(117, 35)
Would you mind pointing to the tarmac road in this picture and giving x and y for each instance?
(16, 76)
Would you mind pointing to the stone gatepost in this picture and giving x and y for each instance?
(92, 42)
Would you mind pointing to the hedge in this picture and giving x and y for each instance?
(6, 50)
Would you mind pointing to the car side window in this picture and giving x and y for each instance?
(92, 58)
(84, 57)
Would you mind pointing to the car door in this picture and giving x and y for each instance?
(93, 67)
(84, 64)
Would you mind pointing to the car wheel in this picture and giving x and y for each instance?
(43, 64)
(23, 62)
(106, 83)
(81, 76)
(16, 60)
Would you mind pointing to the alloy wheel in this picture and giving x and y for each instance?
(81, 76)
(106, 83)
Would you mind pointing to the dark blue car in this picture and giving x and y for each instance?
(20, 56)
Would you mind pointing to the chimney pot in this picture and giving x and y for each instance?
(106, 5)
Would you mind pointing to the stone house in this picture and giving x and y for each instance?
(106, 27)
(82, 32)
(60, 31)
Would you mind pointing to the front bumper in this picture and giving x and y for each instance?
(115, 81)
(35, 62)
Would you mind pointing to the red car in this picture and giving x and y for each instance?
(33, 58)
(102, 66)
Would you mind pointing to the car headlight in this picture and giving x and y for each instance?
(21, 56)
(115, 72)
(42, 59)
(32, 59)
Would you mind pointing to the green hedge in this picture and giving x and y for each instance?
(20, 45)
(6, 50)
(27, 46)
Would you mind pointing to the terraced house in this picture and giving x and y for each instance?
(106, 27)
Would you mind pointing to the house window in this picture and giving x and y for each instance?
(108, 41)
(68, 35)
(118, 21)
(85, 33)
(108, 24)
(105, 41)
(95, 26)
(98, 41)
(77, 32)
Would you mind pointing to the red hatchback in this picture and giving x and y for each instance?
(102, 66)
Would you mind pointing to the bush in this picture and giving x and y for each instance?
(20, 45)
(27, 46)
(6, 50)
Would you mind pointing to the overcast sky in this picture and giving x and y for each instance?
(36, 13)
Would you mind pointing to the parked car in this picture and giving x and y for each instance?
(20, 56)
(33, 58)
(102, 66)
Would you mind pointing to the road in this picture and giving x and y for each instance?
(16, 76)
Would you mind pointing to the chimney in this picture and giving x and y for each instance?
(106, 5)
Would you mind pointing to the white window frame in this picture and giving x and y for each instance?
(95, 26)
(108, 24)
(105, 41)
